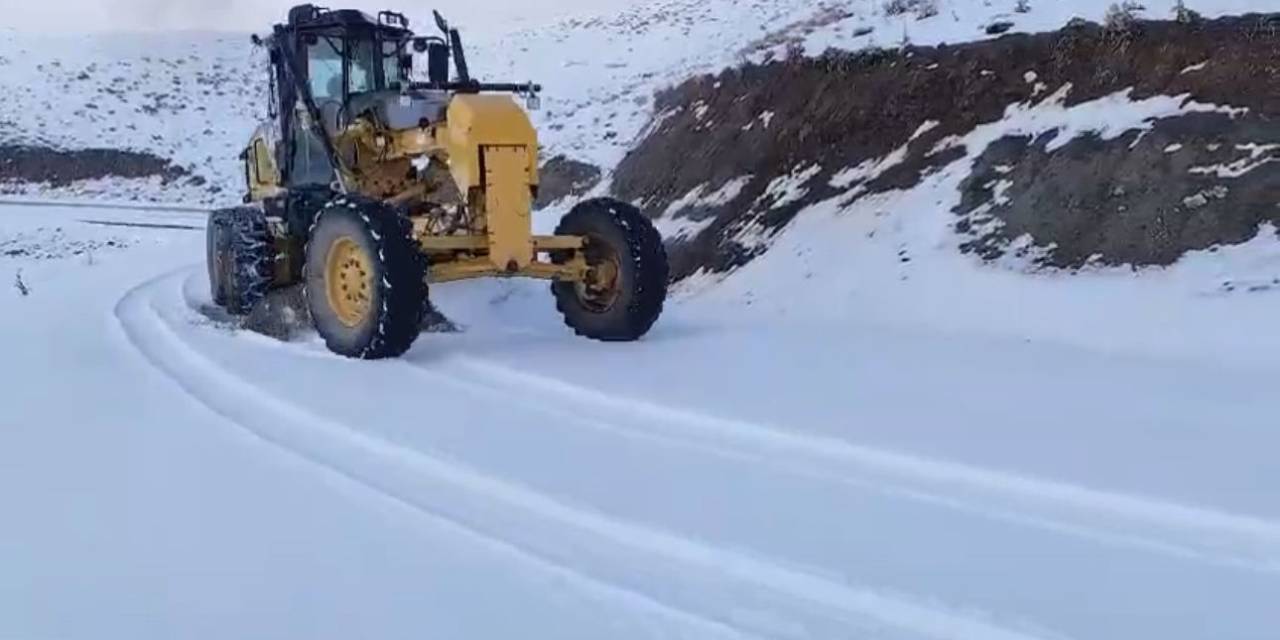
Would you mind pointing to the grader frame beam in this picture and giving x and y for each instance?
(452, 244)
(492, 152)
(573, 271)
(451, 268)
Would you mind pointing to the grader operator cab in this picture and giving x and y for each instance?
(369, 182)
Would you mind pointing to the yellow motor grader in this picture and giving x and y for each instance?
(367, 183)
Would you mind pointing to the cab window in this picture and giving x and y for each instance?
(391, 70)
(324, 69)
(364, 62)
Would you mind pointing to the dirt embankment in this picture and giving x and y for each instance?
(59, 168)
(563, 177)
(765, 141)
(1141, 199)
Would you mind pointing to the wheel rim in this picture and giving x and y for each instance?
(348, 280)
(600, 289)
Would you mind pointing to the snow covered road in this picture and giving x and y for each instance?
(167, 476)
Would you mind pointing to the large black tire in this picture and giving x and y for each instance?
(217, 255)
(393, 286)
(618, 231)
(247, 268)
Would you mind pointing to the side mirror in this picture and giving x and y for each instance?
(256, 40)
(438, 63)
(533, 101)
(441, 23)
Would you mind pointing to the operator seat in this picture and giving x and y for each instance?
(331, 107)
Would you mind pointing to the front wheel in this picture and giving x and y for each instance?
(365, 279)
(625, 287)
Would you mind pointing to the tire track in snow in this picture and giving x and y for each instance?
(1183, 531)
(602, 554)
(248, 409)
(936, 496)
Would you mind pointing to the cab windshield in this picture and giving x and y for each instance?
(324, 69)
(373, 65)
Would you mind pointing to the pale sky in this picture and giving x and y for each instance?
(254, 15)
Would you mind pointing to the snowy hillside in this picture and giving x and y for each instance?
(188, 97)
(194, 98)
(601, 72)
(866, 431)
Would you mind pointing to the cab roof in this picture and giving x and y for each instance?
(312, 18)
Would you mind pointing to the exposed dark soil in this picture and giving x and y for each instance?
(1141, 200)
(562, 177)
(59, 167)
(841, 110)
(282, 314)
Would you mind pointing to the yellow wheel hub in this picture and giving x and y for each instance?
(348, 278)
(600, 290)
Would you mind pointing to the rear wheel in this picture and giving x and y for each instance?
(365, 279)
(241, 261)
(217, 261)
(626, 284)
